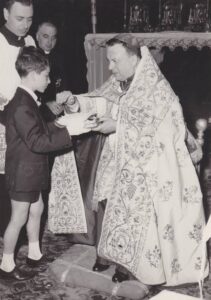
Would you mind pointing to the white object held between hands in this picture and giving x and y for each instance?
(75, 123)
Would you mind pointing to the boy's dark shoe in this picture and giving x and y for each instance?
(119, 276)
(33, 263)
(98, 267)
(16, 274)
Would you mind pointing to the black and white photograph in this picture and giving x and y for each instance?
(105, 149)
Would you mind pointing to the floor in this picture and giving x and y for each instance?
(45, 286)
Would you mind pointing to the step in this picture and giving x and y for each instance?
(74, 268)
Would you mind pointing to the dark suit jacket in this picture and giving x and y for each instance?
(29, 139)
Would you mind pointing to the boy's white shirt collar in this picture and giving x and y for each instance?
(34, 96)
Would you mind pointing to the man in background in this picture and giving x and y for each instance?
(46, 37)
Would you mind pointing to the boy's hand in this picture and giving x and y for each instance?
(104, 125)
(64, 97)
(69, 101)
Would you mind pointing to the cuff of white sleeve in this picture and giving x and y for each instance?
(58, 125)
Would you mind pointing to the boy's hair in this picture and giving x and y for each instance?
(9, 3)
(31, 59)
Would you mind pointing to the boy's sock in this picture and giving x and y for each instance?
(34, 250)
(7, 263)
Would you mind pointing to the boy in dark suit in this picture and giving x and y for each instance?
(29, 139)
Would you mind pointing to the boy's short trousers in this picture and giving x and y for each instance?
(30, 197)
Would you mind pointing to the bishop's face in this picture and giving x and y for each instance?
(19, 18)
(121, 63)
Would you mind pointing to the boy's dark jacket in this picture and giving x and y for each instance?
(29, 139)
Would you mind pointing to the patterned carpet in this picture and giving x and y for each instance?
(44, 286)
